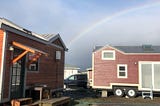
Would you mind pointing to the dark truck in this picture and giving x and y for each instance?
(76, 80)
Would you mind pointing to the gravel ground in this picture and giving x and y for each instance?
(87, 97)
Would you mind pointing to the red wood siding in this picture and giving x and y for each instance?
(58, 42)
(105, 71)
(50, 71)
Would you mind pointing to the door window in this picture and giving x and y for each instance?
(72, 78)
(17, 75)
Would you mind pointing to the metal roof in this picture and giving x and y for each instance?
(97, 48)
(134, 49)
(48, 37)
(45, 38)
(139, 49)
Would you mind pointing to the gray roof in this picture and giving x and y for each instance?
(45, 38)
(97, 48)
(48, 36)
(139, 49)
(136, 49)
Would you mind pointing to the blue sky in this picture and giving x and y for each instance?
(130, 22)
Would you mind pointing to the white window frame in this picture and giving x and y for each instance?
(109, 51)
(58, 55)
(126, 71)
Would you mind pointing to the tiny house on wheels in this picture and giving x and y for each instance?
(28, 59)
(126, 69)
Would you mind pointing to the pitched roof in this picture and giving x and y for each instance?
(139, 49)
(97, 48)
(45, 38)
(48, 36)
(136, 49)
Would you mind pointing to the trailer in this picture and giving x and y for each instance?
(126, 70)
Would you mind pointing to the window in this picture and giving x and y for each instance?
(58, 55)
(33, 63)
(108, 55)
(122, 71)
(72, 78)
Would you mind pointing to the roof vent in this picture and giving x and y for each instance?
(27, 31)
(147, 47)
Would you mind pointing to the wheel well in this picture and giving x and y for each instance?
(125, 88)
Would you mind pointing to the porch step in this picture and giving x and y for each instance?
(21, 102)
(62, 101)
(147, 94)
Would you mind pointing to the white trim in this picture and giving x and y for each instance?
(108, 51)
(115, 84)
(126, 71)
(92, 69)
(2, 67)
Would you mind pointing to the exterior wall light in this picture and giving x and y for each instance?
(11, 48)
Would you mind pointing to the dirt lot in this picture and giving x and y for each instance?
(87, 97)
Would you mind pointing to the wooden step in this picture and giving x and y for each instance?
(65, 101)
(21, 101)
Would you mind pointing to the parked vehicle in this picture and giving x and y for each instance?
(126, 70)
(76, 80)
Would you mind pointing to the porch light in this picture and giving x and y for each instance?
(11, 48)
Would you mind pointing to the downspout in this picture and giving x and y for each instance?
(2, 66)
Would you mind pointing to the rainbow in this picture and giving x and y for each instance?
(111, 17)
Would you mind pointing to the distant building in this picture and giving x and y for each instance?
(82, 71)
(70, 70)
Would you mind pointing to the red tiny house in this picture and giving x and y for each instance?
(124, 66)
(28, 59)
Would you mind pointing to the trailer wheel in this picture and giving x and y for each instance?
(118, 92)
(131, 93)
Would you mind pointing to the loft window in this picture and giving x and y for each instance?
(33, 66)
(58, 55)
(108, 55)
(122, 71)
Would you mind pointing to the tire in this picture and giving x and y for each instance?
(131, 93)
(118, 92)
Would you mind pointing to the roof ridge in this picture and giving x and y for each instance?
(133, 49)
